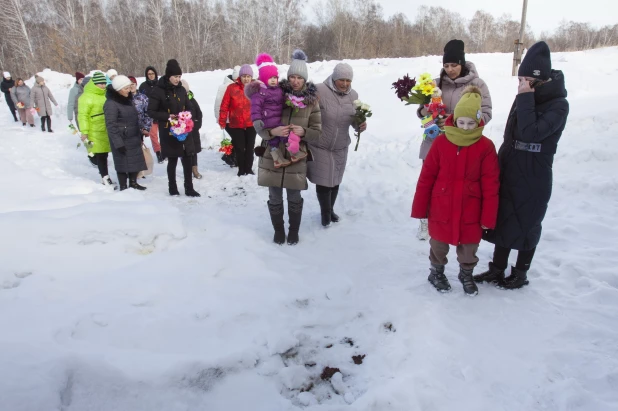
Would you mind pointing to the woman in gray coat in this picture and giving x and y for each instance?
(20, 94)
(40, 99)
(330, 152)
(124, 132)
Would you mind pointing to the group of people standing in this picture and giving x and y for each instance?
(466, 191)
(304, 130)
(25, 101)
(114, 115)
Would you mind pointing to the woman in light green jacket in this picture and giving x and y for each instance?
(92, 123)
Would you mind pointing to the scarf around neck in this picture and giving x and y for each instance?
(463, 138)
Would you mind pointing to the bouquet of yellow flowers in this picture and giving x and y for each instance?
(415, 92)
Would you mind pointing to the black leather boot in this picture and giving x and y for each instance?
(517, 279)
(493, 275)
(122, 181)
(324, 198)
(276, 217)
(173, 188)
(133, 182)
(333, 198)
(295, 213)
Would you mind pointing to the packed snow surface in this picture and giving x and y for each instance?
(136, 301)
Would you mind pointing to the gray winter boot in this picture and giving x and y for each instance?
(438, 279)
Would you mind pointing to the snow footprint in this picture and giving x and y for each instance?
(13, 280)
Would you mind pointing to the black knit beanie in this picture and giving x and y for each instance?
(537, 62)
(454, 53)
(173, 68)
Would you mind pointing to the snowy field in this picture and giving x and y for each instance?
(136, 301)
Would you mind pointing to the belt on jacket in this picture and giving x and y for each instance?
(531, 147)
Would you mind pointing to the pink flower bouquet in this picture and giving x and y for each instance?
(181, 125)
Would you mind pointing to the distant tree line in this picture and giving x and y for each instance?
(70, 35)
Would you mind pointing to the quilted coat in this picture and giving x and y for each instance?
(526, 176)
(330, 152)
(458, 190)
(123, 128)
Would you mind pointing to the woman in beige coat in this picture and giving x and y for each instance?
(456, 75)
(307, 124)
(40, 99)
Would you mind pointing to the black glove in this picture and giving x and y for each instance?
(122, 150)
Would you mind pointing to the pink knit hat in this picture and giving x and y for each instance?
(266, 67)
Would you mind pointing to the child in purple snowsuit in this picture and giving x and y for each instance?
(267, 103)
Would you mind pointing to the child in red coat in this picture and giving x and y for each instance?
(458, 191)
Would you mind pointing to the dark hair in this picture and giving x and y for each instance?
(464, 72)
(19, 79)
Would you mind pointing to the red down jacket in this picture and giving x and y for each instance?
(458, 190)
(235, 106)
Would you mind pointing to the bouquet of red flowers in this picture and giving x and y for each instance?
(226, 146)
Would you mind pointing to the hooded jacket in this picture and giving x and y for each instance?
(526, 176)
(266, 103)
(236, 107)
(451, 93)
(91, 117)
(147, 86)
(458, 190)
(166, 99)
(293, 176)
(42, 98)
(123, 129)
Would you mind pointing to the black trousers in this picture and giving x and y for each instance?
(524, 258)
(45, 119)
(9, 102)
(101, 161)
(194, 160)
(324, 189)
(186, 161)
(243, 141)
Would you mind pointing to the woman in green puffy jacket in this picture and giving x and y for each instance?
(92, 122)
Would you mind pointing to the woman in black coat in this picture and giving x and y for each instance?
(196, 116)
(124, 132)
(166, 99)
(533, 129)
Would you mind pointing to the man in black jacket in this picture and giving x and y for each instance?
(7, 84)
(533, 129)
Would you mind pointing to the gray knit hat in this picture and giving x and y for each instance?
(343, 71)
(298, 66)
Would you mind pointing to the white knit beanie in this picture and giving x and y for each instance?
(120, 82)
(6, 74)
(111, 73)
(235, 73)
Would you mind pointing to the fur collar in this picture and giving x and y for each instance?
(309, 92)
(112, 94)
(252, 88)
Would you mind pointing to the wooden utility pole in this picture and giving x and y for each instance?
(519, 43)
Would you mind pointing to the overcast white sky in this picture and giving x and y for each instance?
(542, 14)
